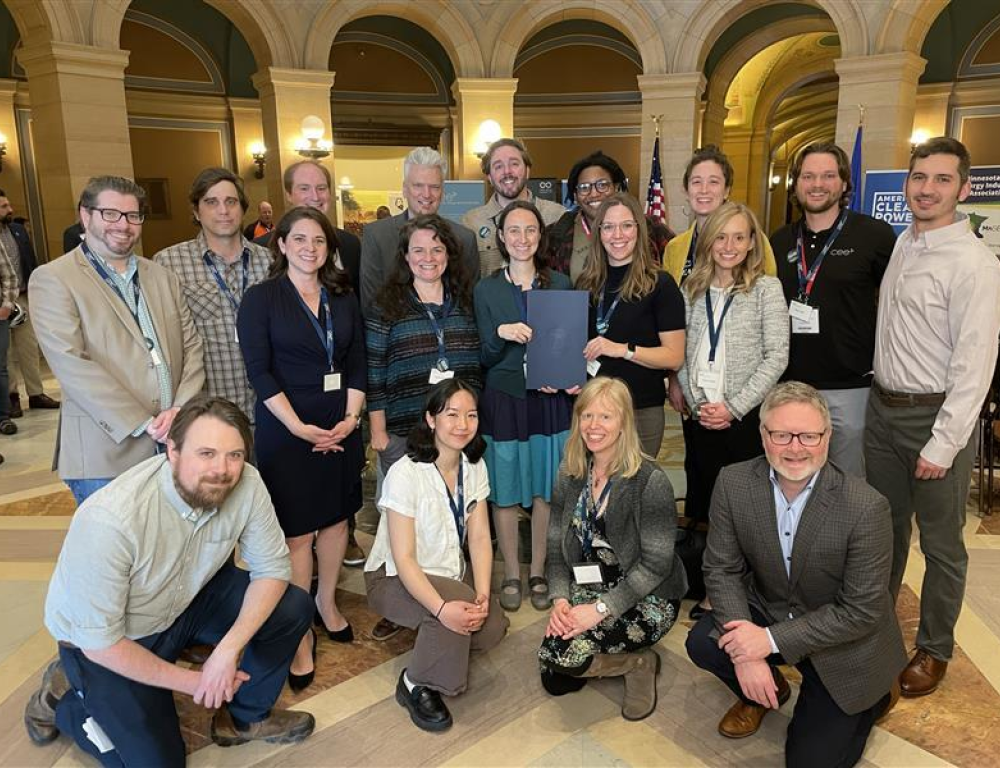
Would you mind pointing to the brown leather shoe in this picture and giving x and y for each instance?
(385, 629)
(282, 726)
(744, 720)
(922, 675)
(42, 401)
(16, 411)
(40, 712)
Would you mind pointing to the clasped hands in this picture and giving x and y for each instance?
(749, 646)
(463, 617)
(326, 440)
(714, 416)
(568, 621)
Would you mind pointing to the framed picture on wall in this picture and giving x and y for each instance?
(157, 197)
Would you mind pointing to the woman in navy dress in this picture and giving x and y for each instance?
(303, 343)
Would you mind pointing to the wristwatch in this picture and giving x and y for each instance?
(630, 351)
(602, 607)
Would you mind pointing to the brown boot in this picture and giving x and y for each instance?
(40, 712)
(744, 720)
(16, 411)
(922, 675)
(282, 726)
(639, 670)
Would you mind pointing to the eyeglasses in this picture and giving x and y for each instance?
(111, 215)
(626, 227)
(806, 439)
(602, 185)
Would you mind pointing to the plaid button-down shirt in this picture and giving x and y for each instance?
(213, 312)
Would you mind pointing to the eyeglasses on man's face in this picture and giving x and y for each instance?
(806, 439)
(601, 185)
(111, 215)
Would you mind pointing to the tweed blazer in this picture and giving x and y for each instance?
(641, 523)
(835, 608)
(379, 243)
(756, 334)
(98, 354)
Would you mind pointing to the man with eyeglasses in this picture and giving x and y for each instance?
(118, 336)
(797, 568)
(507, 164)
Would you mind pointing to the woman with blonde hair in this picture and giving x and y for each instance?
(615, 580)
(637, 314)
(737, 348)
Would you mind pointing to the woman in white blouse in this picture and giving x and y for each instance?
(434, 501)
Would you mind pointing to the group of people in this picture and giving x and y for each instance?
(214, 395)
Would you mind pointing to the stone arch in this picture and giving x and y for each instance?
(266, 32)
(704, 27)
(906, 25)
(439, 18)
(627, 16)
(790, 80)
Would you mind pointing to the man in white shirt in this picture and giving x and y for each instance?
(935, 351)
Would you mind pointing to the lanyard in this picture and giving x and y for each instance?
(136, 294)
(457, 506)
(519, 298)
(223, 288)
(689, 261)
(325, 338)
(604, 320)
(591, 512)
(442, 361)
(715, 332)
(806, 279)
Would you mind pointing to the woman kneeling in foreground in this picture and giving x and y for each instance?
(615, 581)
(434, 500)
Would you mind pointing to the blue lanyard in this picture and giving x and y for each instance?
(223, 288)
(591, 511)
(806, 279)
(442, 361)
(457, 506)
(519, 298)
(604, 320)
(689, 261)
(325, 338)
(714, 333)
(136, 294)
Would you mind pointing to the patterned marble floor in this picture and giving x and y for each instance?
(505, 719)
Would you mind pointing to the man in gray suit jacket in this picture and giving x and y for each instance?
(119, 337)
(797, 571)
(423, 187)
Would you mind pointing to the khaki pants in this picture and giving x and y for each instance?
(440, 658)
(23, 360)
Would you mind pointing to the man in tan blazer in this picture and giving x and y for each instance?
(119, 338)
(797, 571)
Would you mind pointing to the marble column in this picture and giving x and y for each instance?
(886, 84)
(678, 98)
(478, 99)
(79, 125)
(286, 97)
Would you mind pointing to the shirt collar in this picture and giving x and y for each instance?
(934, 238)
(202, 245)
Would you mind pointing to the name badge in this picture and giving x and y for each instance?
(709, 379)
(593, 366)
(808, 324)
(799, 311)
(331, 382)
(588, 573)
(437, 376)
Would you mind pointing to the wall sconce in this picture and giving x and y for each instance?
(775, 181)
(489, 131)
(312, 144)
(259, 154)
(918, 137)
(3, 148)
(345, 183)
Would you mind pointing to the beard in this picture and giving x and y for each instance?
(210, 492)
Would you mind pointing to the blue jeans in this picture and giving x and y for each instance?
(83, 488)
(141, 721)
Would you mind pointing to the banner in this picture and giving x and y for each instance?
(459, 197)
(884, 198)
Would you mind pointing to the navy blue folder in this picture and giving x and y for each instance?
(558, 321)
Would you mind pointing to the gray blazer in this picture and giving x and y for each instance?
(379, 243)
(641, 522)
(756, 334)
(835, 609)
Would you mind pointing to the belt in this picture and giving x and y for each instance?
(905, 399)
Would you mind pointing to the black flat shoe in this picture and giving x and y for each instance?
(697, 611)
(301, 682)
(427, 711)
(345, 635)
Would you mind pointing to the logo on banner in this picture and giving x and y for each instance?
(891, 208)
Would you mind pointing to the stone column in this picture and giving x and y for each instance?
(286, 97)
(13, 179)
(478, 99)
(886, 84)
(79, 125)
(678, 98)
(713, 124)
(247, 129)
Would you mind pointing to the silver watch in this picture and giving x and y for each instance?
(602, 607)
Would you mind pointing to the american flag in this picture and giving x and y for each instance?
(656, 204)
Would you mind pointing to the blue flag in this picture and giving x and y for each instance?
(857, 199)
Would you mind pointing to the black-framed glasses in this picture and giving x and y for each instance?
(601, 185)
(111, 215)
(806, 439)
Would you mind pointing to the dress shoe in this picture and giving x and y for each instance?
(282, 726)
(354, 556)
(40, 712)
(744, 720)
(427, 710)
(697, 611)
(7, 427)
(385, 629)
(300, 682)
(16, 411)
(42, 401)
(345, 635)
(510, 594)
(922, 675)
(538, 589)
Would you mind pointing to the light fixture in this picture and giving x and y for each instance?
(3, 148)
(918, 137)
(259, 154)
(345, 183)
(489, 131)
(312, 144)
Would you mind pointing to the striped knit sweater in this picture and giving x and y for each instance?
(401, 355)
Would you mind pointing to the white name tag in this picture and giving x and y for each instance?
(331, 382)
(709, 379)
(588, 574)
(437, 375)
(593, 366)
(799, 310)
(808, 324)
(97, 736)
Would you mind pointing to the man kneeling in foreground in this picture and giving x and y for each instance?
(145, 570)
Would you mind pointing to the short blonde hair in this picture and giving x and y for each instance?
(629, 456)
(745, 274)
(795, 392)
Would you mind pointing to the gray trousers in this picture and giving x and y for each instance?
(847, 443)
(649, 424)
(893, 440)
(440, 657)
